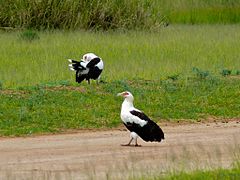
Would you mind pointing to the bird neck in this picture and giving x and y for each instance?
(127, 103)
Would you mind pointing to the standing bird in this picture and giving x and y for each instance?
(90, 67)
(137, 122)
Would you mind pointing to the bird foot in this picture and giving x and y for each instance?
(136, 145)
(125, 144)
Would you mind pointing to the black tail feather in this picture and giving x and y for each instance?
(75, 65)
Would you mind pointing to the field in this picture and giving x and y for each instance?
(180, 74)
(178, 64)
(151, 56)
(180, 59)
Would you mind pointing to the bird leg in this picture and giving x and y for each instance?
(77, 76)
(129, 144)
(136, 144)
(88, 81)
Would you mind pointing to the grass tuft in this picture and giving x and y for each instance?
(200, 73)
(29, 35)
(226, 72)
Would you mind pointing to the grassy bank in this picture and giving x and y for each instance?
(57, 107)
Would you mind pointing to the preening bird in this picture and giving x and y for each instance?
(90, 67)
(138, 123)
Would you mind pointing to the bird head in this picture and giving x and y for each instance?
(88, 57)
(127, 95)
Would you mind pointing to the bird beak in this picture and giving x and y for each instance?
(119, 94)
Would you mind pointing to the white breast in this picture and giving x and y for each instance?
(100, 65)
(127, 117)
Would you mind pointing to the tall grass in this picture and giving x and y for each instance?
(85, 14)
(171, 51)
(217, 174)
(120, 14)
(198, 12)
(232, 173)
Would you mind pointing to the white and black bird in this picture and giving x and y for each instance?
(138, 123)
(90, 67)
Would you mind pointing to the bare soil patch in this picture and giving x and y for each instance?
(98, 154)
(69, 88)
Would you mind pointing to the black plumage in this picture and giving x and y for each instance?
(149, 132)
(94, 70)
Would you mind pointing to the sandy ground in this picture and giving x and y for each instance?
(98, 155)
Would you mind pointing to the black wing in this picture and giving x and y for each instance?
(80, 77)
(93, 62)
(94, 71)
(149, 132)
(141, 115)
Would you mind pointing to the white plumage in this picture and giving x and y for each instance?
(137, 122)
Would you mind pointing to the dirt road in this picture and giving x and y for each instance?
(98, 155)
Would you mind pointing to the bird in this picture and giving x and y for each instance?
(89, 67)
(138, 123)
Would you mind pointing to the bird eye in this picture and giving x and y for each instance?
(125, 93)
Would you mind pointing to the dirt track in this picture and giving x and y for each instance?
(98, 155)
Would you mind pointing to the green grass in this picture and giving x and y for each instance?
(179, 73)
(55, 108)
(217, 174)
(172, 50)
(201, 12)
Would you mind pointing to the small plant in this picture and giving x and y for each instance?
(238, 72)
(64, 83)
(226, 72)
(174, 77)
(169, 86)
(200, 73)
(29, 35)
